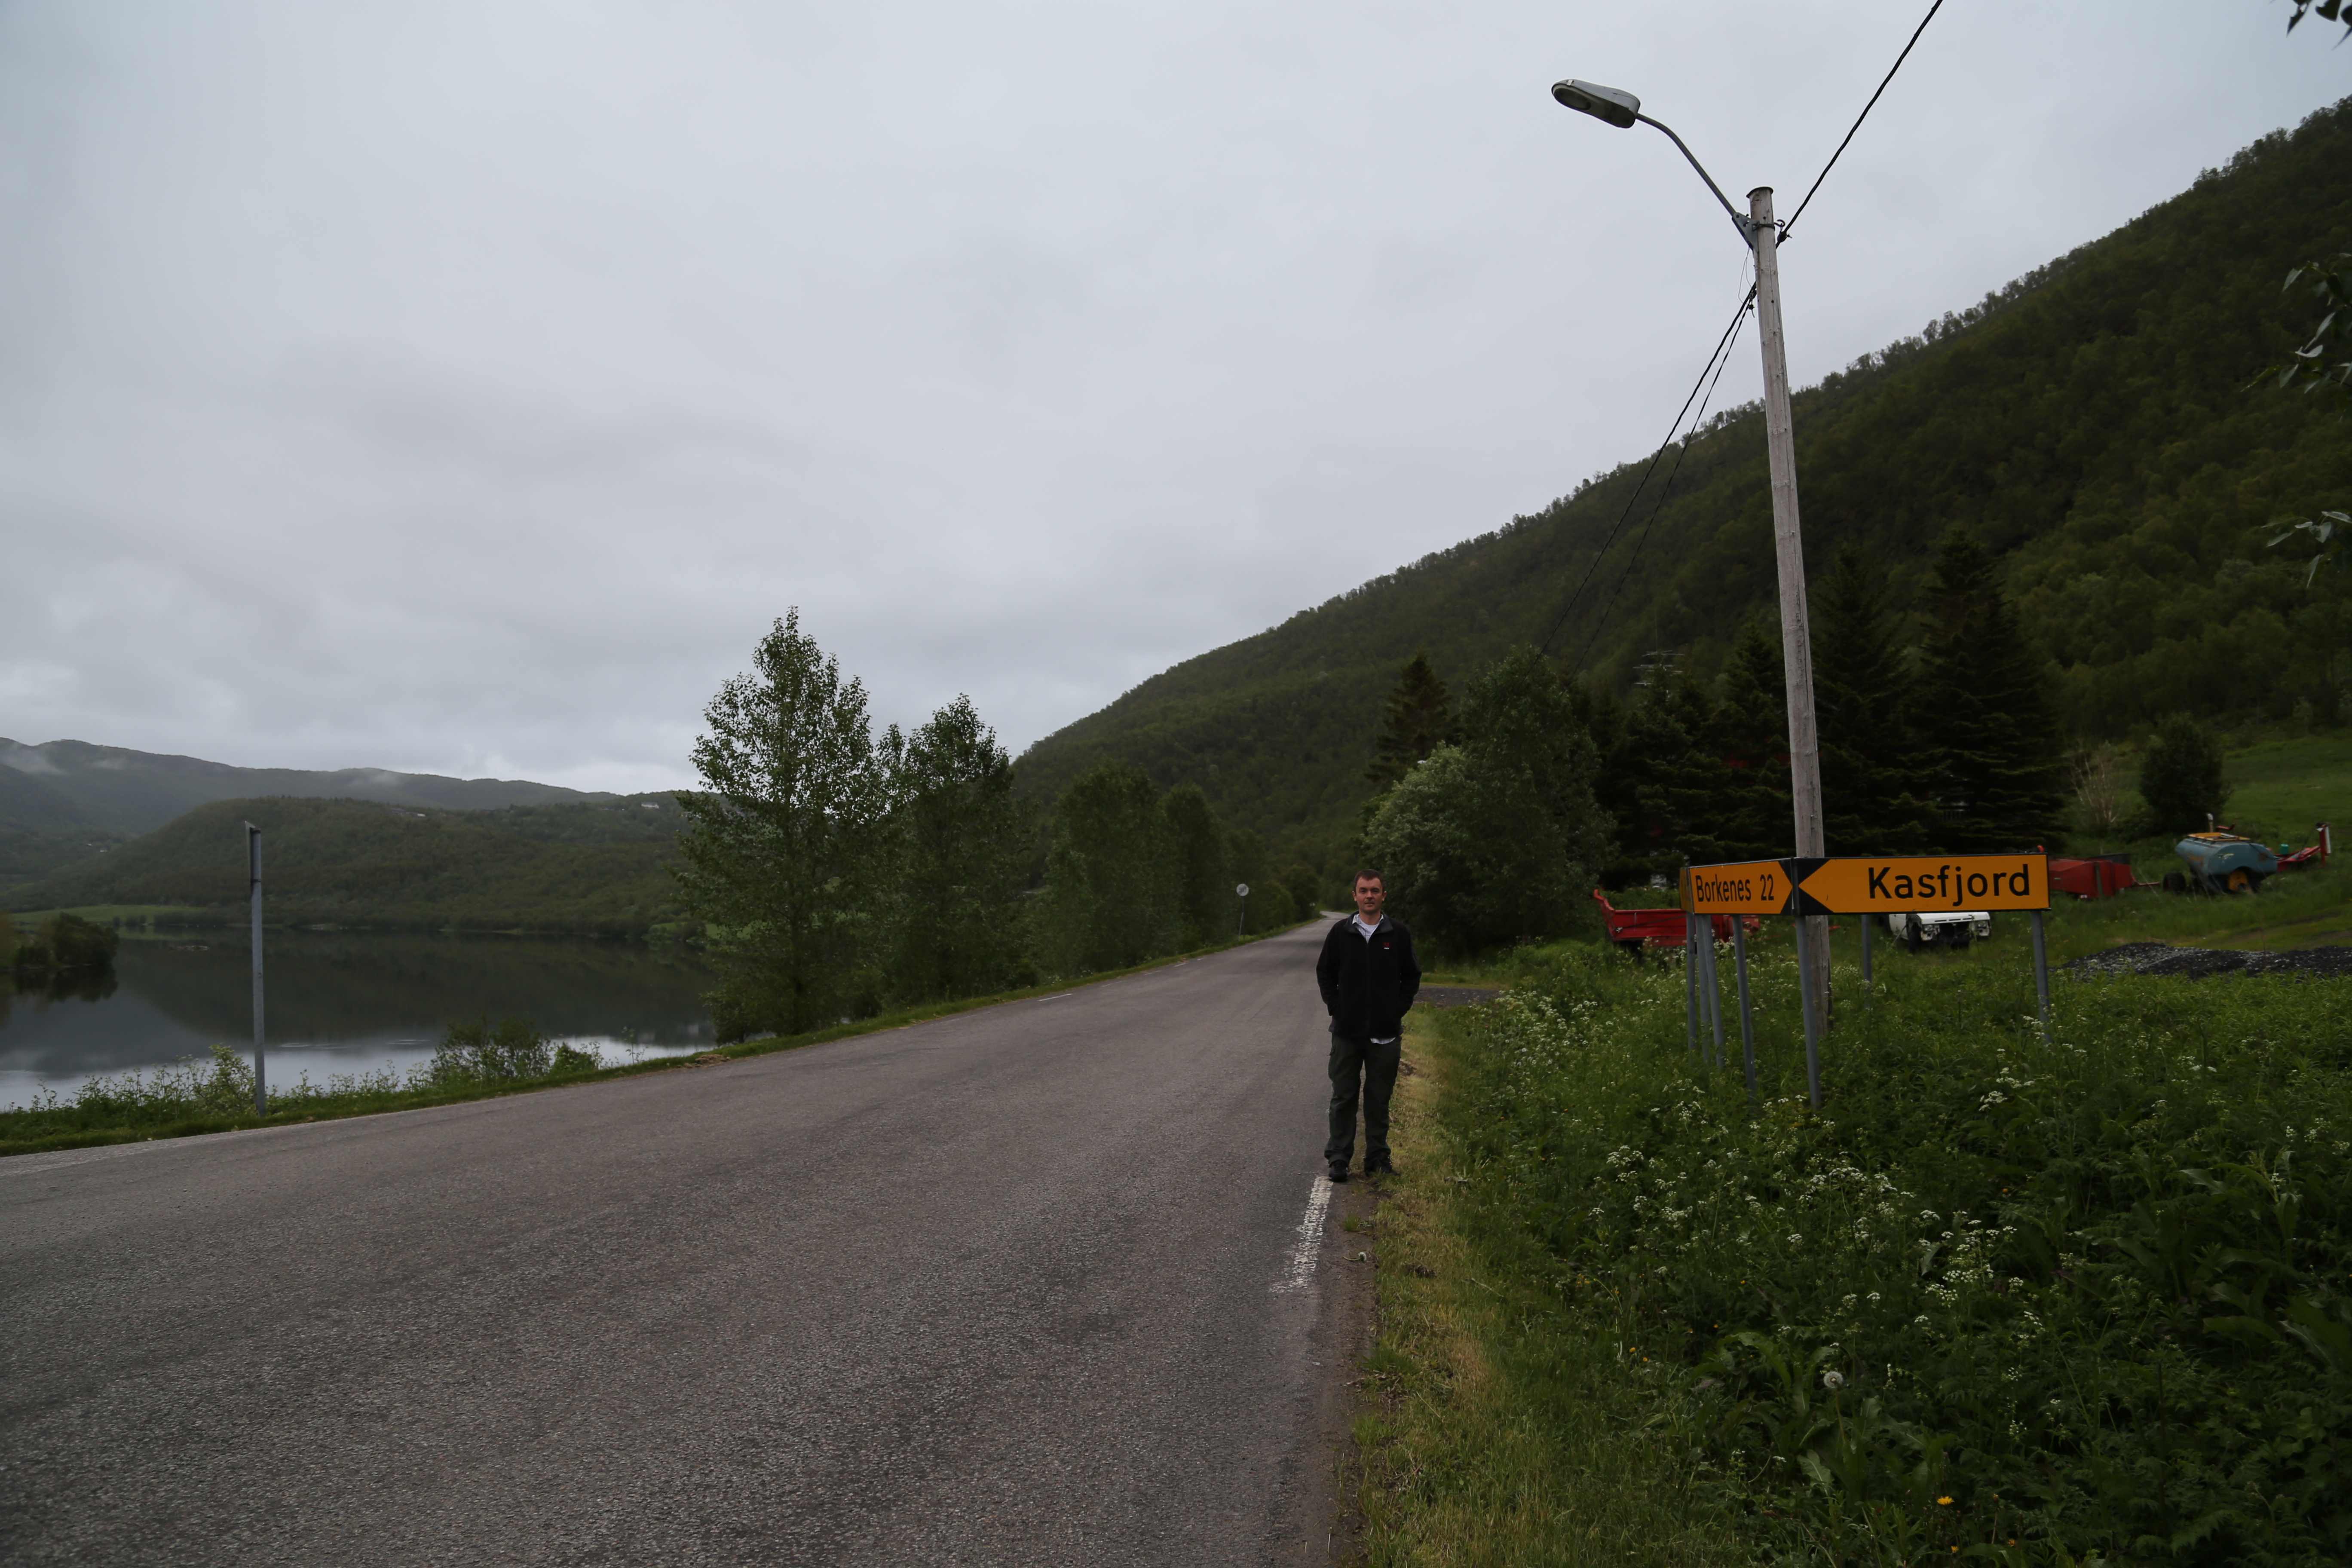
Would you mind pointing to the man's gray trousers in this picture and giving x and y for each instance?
(1376, 1066)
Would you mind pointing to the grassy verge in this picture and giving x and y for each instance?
(2056, 1299)
(216, 1097)
(1492, 1429)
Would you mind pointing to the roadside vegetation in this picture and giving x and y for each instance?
(2063, 1298)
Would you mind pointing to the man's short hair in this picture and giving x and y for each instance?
(1369, 875)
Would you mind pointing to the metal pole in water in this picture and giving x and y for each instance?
(1812, 1028)
(2042, 970)
(1747, 1022)
(253, 875)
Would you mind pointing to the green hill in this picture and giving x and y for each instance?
(71, 784)
(581, 867)
(2091, 423)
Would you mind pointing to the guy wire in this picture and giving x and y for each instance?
(1665, 491)
(1721, 345)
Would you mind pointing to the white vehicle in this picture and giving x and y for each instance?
(1957, 927)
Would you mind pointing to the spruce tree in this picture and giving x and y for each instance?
(1873, 783)
(1417, 719)
(1753, 819)
(1982, 704)
(960, 838)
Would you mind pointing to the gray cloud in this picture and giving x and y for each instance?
(462, 389)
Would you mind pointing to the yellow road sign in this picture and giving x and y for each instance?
(1741, 888)
(1858, 885)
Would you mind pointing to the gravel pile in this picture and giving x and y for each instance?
(1454, 995)
(2197, 962)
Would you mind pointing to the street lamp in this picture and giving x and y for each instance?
(1616, 107)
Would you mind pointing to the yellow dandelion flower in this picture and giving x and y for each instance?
(1945, 1502)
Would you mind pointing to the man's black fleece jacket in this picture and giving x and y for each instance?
(1367, 984)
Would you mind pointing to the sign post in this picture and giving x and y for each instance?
(1747, 1020)
(1241, 922)
(1810, 887)
(1690, 980)
(2041, 971)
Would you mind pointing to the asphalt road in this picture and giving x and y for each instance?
(1044, 1283)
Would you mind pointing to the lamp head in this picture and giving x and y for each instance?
(1612, 104)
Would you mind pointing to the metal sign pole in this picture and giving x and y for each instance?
(1813, 1030)
(2042, 970)
(253, 875)
(1714, 988)
(1690, 984)
(1865, 961)
(1747, 1022)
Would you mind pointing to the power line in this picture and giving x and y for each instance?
(1721, 344)
(1860, 118)
(1715, 367)
(1667, 490)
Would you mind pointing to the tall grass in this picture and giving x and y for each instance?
(2032, 1299)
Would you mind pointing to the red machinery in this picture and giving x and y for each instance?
(1632, 929)
(2310, 855)
(2100, 877)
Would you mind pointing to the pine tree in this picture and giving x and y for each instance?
(782, 846)
(1416, 719)
(1982, 704)
(1872, 783)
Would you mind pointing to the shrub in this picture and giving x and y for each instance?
(2180, 776)
(480, 1052)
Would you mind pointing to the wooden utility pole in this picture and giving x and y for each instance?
(1788, 550)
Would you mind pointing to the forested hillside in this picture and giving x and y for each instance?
(2091, 424)
(590, 868)
(72, 783)
(65, 802)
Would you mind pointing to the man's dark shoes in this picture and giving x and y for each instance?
(1377, 1166)
(1339, 1172)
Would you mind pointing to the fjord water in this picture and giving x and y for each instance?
(346, 1002)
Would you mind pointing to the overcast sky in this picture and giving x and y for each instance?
(464, 388)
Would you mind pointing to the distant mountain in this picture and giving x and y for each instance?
(576, 867)
(68, 784)
(2093, 424)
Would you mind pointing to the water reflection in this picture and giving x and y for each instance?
(342, 1002)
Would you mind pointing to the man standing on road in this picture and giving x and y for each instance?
(1368, 976)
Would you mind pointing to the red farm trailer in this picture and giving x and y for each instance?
(1634, 929)
(2099, 877)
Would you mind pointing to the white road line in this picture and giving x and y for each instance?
(1300, 1273)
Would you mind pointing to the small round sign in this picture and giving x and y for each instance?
(1242, 891)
